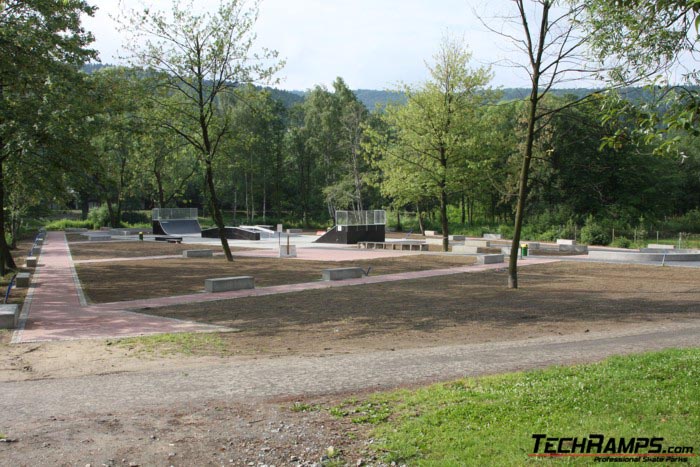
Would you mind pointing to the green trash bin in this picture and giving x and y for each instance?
(141, 236)
(523, 250)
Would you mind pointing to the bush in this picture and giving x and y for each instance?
(99, 217)
(136, 217)
(63, 224)
(593, 233)
(621, 242)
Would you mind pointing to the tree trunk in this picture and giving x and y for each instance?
(464, 210)
(398, 220)
(420, 220)
(522, 192)
(6, 260)
(216, 210)
(443, 220)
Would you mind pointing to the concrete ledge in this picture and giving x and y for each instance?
(39, 241)
(458, 238)
(294, 231)
(481, 243)
(489, 259)
(287, 251)
(430, 233)
(75, 230)
(197, 253)
(492, 236)
(582, 249)
(564, 241)
(226, 284)
(470, 250)
(31, 261)
(634, 257)
(658, 246)
(22, 279)
(9, 316)
(339, 274)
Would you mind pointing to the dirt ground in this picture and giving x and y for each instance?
(134, 249)
(558, 298)
(107, 282)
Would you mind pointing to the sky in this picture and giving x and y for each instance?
(371, 44)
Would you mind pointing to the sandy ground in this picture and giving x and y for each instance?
(555, 299)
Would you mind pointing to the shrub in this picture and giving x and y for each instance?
(63, 224)
(99, 217)
(593, 233)
(621, 242)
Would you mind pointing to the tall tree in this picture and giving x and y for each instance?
(202, 57)
(42, 46)
(432, 136)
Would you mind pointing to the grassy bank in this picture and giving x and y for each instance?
(491, 420)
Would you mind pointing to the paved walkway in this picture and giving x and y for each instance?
(56, 308)
(249, 381)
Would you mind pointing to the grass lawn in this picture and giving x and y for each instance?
(491, 420)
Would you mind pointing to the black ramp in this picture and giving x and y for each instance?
(177, 227)
(351, 234)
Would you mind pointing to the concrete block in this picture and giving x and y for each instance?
(532, 245)
(226, 284)
(287, 251)
(31, 261)
(573, 248)
(339, 274)
(294, 231)
(430, 233)
(564, 241)
(481, 243)
(75, 230)
(197, 253)
(469, 250)
(458, 238)
(489, 259)
(9, 316)
(22, 279)
(492, 236)
(658, 246)
(99, 238)
(39, 241)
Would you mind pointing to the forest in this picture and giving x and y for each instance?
(196, 130)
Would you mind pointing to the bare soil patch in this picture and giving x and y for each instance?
(130, 280)
(135, 249)
(559, 298)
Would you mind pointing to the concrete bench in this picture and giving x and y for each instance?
(489, 259)
(197, 253)
(9, 316)
(22, 279)
(226, 284)
(659, 246)
(339, 274)
(169, 239)
(481, 243)
(31, 261)
(469, 250)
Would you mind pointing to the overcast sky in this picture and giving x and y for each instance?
(371, 44)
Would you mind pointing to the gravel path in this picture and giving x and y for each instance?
(250, 381)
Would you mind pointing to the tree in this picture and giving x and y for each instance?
(202, 57)
(432, 137)
(653, 42)
(43, 47)
(547, 33)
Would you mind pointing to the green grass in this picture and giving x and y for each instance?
(186, 343)
(491, 420)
